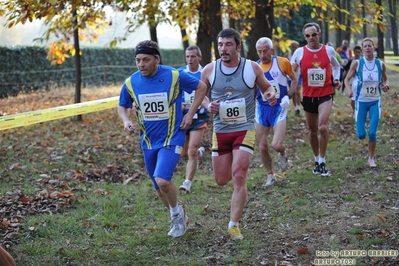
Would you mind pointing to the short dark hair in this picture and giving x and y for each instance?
(230, 33)
(357, 47)
(311, 24)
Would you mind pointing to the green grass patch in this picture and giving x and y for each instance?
(113, 216)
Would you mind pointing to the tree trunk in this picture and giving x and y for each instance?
(184, 37)
(347, 18)
(263, 25)
(387, 36)
(233, 23)
(340, 20)
(204, 37)
(153, 33)
(363, 16)
(153, 27)
(325, 28)
(380, 34)
(394, 26)
(215, 23)
(78, 65)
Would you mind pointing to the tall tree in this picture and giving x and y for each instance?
(65, 20)
(394, 25)
(340, 19)
(263, 25)
(215, 22)
(183, 13)
(78, 64)
(380, 29)
(240, 15)
(143, 12)
(347, 20)
(204, 36)
(325, 28)
(364, 28)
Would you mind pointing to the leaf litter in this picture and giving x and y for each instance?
(353, 205)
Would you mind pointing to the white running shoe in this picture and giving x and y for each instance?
(179, 224)
(371, 163)
(270, 180)
(186, 186)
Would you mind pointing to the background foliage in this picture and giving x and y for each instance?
(27, 69)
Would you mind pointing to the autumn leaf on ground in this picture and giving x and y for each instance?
(211, 185)
(302, 251)
(127, 180)
(102, 191)
(5, 223)
(44, 193)
(383, 234)
(360, 236)
(86, 223)
(16, 166)
(382, 218)
(68, 150)
(54, 194)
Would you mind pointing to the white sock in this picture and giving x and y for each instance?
(316, 158)
(174, 210)
(322, 160)
(231, 224)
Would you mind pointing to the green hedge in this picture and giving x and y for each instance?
(26, 68)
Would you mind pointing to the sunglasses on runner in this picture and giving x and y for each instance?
(313, 35)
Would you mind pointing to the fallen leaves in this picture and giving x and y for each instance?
(360, 236)
(101, 191)
(382, 218)
(16, 206)
(302, 251)
(110, 173)
(16, 166)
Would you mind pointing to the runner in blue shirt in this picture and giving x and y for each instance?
(155, 93)
(194, 134)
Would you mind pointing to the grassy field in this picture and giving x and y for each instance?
(76, 193)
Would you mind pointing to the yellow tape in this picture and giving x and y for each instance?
(392, 67)
(34, 117)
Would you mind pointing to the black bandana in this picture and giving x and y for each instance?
(147, 50)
